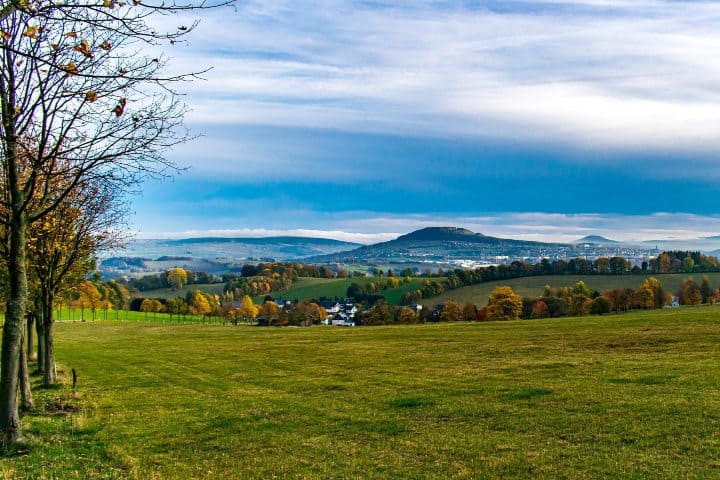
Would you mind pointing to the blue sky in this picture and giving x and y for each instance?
(534, 119)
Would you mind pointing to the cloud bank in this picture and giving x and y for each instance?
(621, 74)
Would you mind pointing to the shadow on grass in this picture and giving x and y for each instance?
(526, 393)
(411, 402)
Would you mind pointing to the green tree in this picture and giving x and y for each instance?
(600, 305)
(688, 264)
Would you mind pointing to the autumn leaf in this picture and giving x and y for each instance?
(5, 35)
(71, 69)
(106, 45)
(109, 4)
(31, 32)
(71, 34)
(84, 48)
(123, 71)
(91, 96)
(120, 107)
(54, 46)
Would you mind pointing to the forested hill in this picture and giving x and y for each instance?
(440, 243)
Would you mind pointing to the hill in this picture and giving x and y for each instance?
(595, 239)
(214, 254)
(442, 245)
(612, 397)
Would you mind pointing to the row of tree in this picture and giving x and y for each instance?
(578, 300)
(87, 112)
(174, 278)
(667, 262)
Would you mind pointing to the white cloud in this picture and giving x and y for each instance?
(356, 237)
(621, 74)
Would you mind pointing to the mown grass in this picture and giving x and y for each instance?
(533, 286)
(626, 397)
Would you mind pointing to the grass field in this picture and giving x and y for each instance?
(533, 286)
(314, 288)
(626, 397)
(212, 288)
(302, 289)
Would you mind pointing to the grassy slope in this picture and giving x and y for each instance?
(533, 286)
(213, 288)
(631, 397)
(309, 288)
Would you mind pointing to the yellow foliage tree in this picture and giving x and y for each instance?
(504, 304)
(408, 316)
(177, 277)
(248, 310)
(451, 312)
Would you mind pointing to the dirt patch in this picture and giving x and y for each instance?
(60, 408)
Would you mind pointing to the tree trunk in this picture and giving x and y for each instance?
(26, 400)
(12, 339)
(50, 376)
(40, 330)
(29, 333)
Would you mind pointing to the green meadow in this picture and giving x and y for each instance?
(304, 288)
(633, 396)
(533, 286)
(315, 288)
(211, 288)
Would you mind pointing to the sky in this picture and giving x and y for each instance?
(362, 120)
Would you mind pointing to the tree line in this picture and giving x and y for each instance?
(667, 262)
(577, 300)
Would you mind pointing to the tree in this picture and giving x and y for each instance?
(176, 278)
(408, 316)
(688, 264)
(600, 305)
(199, 304)
(61, 251)
(379, 315)
(660, 296)
(705, 289)
(504, 304)
(247, 310)
(539, 309)
(81, 98)
(151, 305)
(451, 312)
(690, 293)
(644, 296)
(470, 312)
